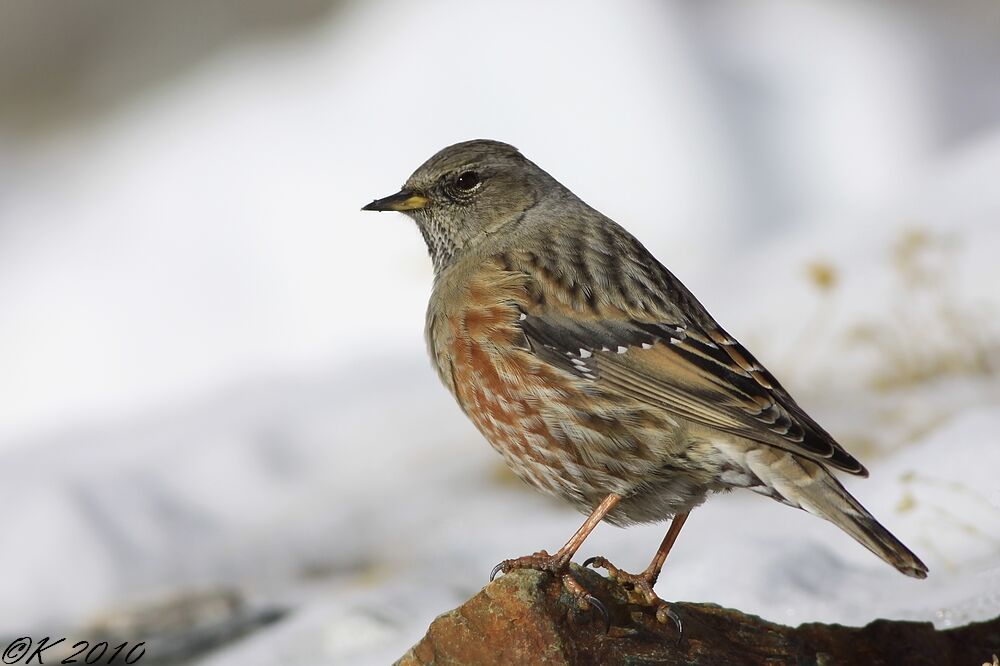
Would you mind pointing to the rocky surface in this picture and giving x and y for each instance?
(523, 618)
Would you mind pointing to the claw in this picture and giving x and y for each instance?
(585, 600)
(584, 604)
(665, 612)
(497, 569)
(596, 603)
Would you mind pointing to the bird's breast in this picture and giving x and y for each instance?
(480, 353)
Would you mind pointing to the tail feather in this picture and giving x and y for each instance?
(840, 508)
(808, 485)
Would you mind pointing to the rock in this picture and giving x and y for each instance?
(524, 618)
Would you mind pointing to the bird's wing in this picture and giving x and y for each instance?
(675, 356)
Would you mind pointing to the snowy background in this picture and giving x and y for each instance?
(218, 423)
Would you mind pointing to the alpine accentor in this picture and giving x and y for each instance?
(596, 374)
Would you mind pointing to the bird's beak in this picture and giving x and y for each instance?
(399, 201)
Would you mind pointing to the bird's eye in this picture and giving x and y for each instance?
(468, 181)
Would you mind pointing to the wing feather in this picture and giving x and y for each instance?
(704, 376)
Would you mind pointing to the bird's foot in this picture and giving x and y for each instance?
(640, 590)
(557, 566)
(540, 561)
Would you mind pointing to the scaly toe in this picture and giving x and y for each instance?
(602, 563)
(585, 600)
(640, 590)
(540, 561)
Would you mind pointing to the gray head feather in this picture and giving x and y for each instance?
(473, 189)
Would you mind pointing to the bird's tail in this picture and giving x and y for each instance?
(810, 486)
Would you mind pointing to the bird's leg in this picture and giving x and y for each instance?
(641, 585)
(558, 564)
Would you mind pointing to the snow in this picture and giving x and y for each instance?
(213, 364)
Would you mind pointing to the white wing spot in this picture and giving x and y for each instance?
(522, 317)
(622, 350)
(584, 353)
(646, 345)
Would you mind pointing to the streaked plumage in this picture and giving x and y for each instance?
(593, 370)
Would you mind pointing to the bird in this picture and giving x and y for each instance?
(598, 376)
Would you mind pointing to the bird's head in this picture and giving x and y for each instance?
(466, 192)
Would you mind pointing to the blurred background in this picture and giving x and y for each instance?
(219, 431)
